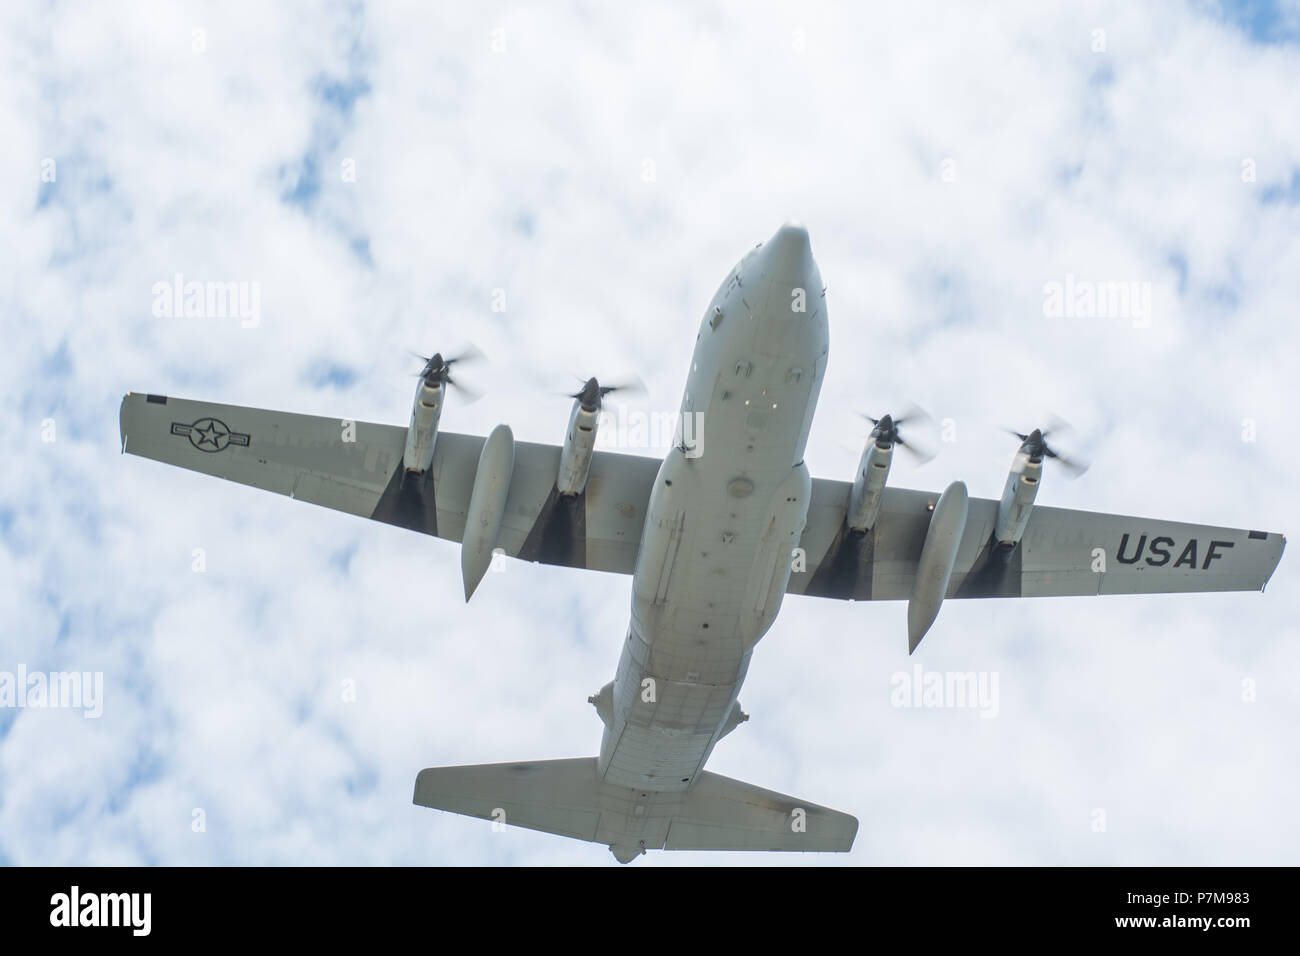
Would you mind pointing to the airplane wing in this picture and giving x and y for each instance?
(1062, 552)
(310, 458)
(306, 457)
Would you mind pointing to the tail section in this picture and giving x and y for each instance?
(566, 797)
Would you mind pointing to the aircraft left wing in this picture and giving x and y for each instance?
(356, 467)
(1062, 552)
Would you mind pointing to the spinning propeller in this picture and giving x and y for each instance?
(593, 393)
(1035, 445)
(886, 429)
(437, 370)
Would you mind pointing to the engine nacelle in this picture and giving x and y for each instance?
(1018, 498)
(422, 433)
(579, 444)
(869, 486)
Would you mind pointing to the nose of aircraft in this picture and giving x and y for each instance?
(788, 254)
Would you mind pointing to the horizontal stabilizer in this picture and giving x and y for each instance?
(566, 797)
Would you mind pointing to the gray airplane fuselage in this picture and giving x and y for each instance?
(726, 514)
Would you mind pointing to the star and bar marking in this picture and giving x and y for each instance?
(210, 435)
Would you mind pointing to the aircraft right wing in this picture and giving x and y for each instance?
(1062, 553)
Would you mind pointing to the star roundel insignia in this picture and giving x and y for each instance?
(210, 434)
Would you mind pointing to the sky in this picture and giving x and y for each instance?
(564, 187)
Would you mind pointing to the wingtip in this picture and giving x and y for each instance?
(121, 422)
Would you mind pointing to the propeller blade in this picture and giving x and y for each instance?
(915, 414)
(634, 387)
(1057, 425)
(919, 454)
(1073, 466)
(468, 354)
(469, 394)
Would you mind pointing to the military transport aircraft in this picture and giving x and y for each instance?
(715, 536)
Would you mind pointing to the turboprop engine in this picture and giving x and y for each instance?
(873, 470)
(580, 439)
(426, 410)
(1022, 485)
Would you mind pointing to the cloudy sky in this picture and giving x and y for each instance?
(387, 173)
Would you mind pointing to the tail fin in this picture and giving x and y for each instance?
(567, 797)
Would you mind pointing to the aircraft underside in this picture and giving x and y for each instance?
(715, 535)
